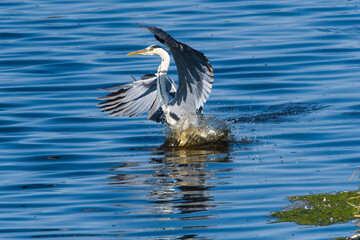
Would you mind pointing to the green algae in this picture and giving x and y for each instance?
(320, 209)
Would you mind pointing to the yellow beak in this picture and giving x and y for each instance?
(142, 51)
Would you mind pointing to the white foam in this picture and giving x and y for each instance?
(197, 131)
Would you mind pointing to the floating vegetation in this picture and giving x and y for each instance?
(354, 202)
(323, 209)
(320, 209)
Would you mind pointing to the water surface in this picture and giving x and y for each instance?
(286, 78)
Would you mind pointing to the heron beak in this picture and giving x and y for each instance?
(142, 51)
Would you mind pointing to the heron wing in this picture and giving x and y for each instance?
(130, 99)
(194, 71)
(135, 98)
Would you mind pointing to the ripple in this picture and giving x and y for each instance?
(286, 86)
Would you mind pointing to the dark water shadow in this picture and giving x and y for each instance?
(279, 113)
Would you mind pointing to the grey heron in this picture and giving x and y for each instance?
(157, 93)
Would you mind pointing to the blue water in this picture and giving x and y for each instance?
(286, 78)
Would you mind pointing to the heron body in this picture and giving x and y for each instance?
(157, 93)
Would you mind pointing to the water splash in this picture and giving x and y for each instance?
(198, 131)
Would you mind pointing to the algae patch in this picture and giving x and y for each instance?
(320, 209)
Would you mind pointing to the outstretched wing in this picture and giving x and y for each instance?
(135, 98)
(130, 99)
(194, 71)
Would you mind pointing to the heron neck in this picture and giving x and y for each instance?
(162, 91)
(165, 61)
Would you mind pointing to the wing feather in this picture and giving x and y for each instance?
(130, 99)
(135, 98)
(195, 73)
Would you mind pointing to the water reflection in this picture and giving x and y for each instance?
(181, 184)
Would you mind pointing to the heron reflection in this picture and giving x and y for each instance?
(179, 182)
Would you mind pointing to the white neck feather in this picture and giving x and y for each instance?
(165, 61)
(162, 92)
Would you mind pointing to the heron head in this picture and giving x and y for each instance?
(151, 50)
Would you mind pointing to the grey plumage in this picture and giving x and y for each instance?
(195, 77)
(135, 98)
(195, 74)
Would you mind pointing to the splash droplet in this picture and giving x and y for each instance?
(198, 131)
